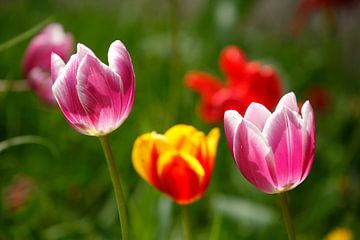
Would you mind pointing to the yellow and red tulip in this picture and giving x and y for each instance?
(179, 163)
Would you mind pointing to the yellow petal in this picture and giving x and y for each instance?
(186, 138)
(143, 153)
(212, 140)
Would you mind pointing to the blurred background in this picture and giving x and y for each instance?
(54, 182)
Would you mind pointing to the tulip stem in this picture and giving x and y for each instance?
(115, 177)
(286, 215)
(186, 222)
(25, 35)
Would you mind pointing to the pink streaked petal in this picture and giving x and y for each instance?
(254, 157)
(82, 51)
(289, 101)
(257, 114)
(120, 62)
(65, 93)
(99, 90)
(308, 138)
(57, 65)
(40, 82)
(283, 130)
(51, 39)
(232, 120)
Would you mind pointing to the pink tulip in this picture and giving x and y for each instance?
(274, 151)
(94, 98)
(36, 63)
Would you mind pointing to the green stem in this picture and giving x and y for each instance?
(286, 215)
(13, 85)
(25, 35)
(120, 201)
(186, 222)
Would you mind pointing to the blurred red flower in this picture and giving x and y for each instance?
(306, 7)
(319, 97)
(17, 194)
(246, 82)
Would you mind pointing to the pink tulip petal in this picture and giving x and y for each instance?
(232, 120)
(254, 157)
(41, 84)
(64, 90)
(51, 39)
(57, 65)
(257, 114)
(308, 138)
(82, 51)
(100, 93)
(283, 130)
(289, 101)
(120, 62)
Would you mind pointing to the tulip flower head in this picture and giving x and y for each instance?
(178, 163)
(37, 59)
(274, 151)
(94, 98)
(245, 82)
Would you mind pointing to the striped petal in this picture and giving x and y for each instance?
(308, 138)
(283, 130)
(289, 101)
(232, 120)
(254, 157)
(145, 154)
(257, 114)
(120, 62)
(99, 90)
(65, 93)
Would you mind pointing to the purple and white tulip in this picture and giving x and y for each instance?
(94, 98)
(37, 59)
(274, 151)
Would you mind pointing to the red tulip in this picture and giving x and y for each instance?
(246, 82)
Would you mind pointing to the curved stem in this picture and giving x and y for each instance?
(186, 222)
(286, 215)
(25, 35)
(120, 201)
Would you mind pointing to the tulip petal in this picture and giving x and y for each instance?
(232, 120)
(51, 39)
(203, 83)
(254, 157)
(212, 140)
(100, 93)
(187, 139)
(308, 138)
(82, 51)
(145, 154)
(40, 83)
(289, 101)
(232, 62)
(57, 65)
(257, 114)
(283, 130)
(180, 176)
(65, 93)
(120, 62)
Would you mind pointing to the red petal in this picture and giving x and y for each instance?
(232, 62)
(203, 83)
